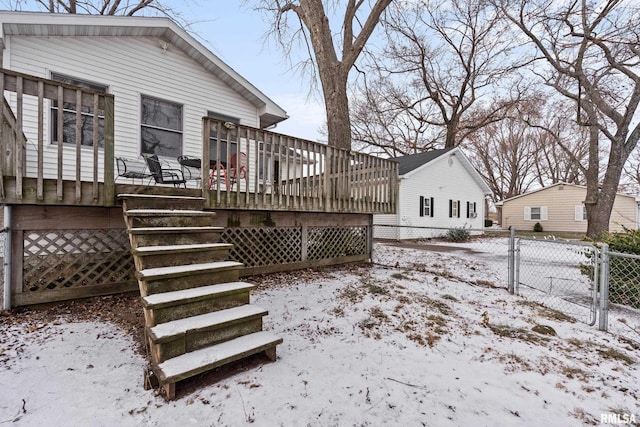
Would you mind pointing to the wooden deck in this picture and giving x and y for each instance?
(278, 172)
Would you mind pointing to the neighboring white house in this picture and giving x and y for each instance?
(560, 207)
(439, 190)
(164, 82)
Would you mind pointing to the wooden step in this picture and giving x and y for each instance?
(154, 201)
(168, 306)
(152, 236)
(166, 279)
(170, 255)
(144, 218)
(196, 362)
(181, 336)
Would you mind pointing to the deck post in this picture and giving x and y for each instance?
(109, 181)
(6, 292)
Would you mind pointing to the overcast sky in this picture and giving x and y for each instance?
(235, 34)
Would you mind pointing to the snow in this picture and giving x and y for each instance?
(195, 293)
(195, 247)
(181, 326)
(151, 273)
(417, 338)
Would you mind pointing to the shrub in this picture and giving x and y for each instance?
(624, 273)
(458, 234)
(488, 223)
(537, 227)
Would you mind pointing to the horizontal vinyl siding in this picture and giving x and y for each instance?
(443, 180)
(561, 201)
(131, 67)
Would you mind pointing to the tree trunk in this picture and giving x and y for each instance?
(337, 105)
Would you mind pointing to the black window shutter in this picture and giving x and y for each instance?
(468, 209)
(421, 206)
(431, 210)
(474, 208)
(450, 208)
(458, 208)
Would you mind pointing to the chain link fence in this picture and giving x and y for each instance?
(559, 275)
(620, 308)
(574, 278)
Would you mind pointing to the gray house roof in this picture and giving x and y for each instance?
(408, 164)
(414, 161)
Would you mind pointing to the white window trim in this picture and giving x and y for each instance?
(544, 213)
(179, 132)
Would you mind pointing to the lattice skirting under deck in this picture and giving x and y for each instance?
(68, 260)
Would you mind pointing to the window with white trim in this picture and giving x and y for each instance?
(535, 213)
(471, 210)
(69, 115)
(426, 206)
(228, 133)
(454, 208)
(161, 127)
(581, 213)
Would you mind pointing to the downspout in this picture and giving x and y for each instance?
(7, 259)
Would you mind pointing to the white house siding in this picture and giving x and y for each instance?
(561, 201)
(131, 67)
(443, 179)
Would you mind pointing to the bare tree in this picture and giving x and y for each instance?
(441, 68)
(592, 53)
(381, 124)
(504, 153)
(333, 59)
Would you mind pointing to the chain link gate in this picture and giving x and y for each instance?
(562, 276)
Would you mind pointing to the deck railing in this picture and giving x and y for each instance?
(258, 169)
(53, 153)
(74, 111)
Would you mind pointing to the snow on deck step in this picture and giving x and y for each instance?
(174, 230)
(154, 250)
(216, 319)
(166, 299)
(195, 362)
(181, 270)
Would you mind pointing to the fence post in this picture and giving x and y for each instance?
(512, 258)
(604, 288)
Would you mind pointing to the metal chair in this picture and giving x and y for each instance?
(238, 169)
(163, 175)
(132, 169)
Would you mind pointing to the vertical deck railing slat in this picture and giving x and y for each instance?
(78, 145)
(3, 152)
(19, 143)
(96, 147)
(60, 138)
(40, 160)
(109, 152)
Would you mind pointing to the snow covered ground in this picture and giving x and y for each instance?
(417, 338)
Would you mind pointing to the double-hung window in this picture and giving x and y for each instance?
(535, 213)
(454, 208)
(69, 114)
(161, 127)
(426, 206)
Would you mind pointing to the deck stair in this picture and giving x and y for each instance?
(197, 313)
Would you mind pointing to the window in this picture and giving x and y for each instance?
(227, 134)
(471, 210)
(581, 213)
(535, 213)
(69, 115)
(426, 206)
(161, 125)
(454, 208)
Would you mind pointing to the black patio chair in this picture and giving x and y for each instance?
(163, 175)
(132, 169)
